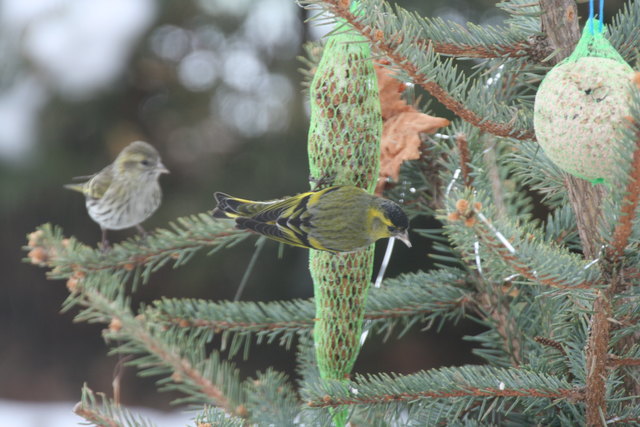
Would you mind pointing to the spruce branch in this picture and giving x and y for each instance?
(586, 200)
(94, 417)
(386, 37)
(102, 294)
(596, 304)
(158, 356)
(491, 303)
(624, 227)
(620, 257)
(497, 310)
(614, 360)
(104, 412)
(551, 343)
(531, 165)
(306, 364)
(465, 158)
(519, 265)
(449, 38)
(625, 421)
(186, 236)
(215, 417)
(408, 299)
(532, 258)
(270, 394)
(623, 31)
(528, 49)
(332, 402)
(596, 363)
(472, 382)
(560, 228)
(603, 308)
(556, 345)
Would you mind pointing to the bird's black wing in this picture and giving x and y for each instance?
(275, 232)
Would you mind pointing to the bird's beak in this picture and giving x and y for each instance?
(161, 168)
(404, 238)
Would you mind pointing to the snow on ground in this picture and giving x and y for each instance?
(59, 414)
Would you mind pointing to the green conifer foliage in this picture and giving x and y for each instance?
(557, 292)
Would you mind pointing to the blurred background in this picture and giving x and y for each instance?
(215, 86)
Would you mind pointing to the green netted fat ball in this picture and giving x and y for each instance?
(578, 108)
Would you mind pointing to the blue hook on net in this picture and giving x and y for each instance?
(600, 16)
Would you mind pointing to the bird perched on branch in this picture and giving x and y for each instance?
(125, 193)
(335, 219)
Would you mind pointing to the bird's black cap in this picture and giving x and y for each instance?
(395, 214)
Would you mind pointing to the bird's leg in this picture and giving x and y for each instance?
(141, 230)
(326, 180)
(143, 233)
(104, 244)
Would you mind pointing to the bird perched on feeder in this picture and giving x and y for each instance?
(336, 219)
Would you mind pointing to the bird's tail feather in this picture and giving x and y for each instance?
(230, 207)
(222, 210)
(75, 187)
(233, 207)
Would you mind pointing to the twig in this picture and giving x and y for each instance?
(623, 229)
(181, 367)
(497, 242)
(556, 345)
(599, 337)
(465, 158)
(488, 303)
(118, 372)
(624, 421)
(303, 324)
(614, 360)
(498, 310)
(559, 21)
(225, 325)
(551, 343)
(526, 272)
(95, 417)
(245, 277)
(596, 364)
(54, 252)
(330, 402)
(533, 48)
(620, 240)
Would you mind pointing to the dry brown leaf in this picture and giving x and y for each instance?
(402, 125)
(401, 139)
(390, 90)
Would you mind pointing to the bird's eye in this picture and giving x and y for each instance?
(145, 162)
(392, 229)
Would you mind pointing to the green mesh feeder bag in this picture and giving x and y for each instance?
(344, 149)
(579, 106)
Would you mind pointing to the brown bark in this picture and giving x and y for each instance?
(560, 23)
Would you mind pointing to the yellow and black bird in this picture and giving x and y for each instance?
(335, 219)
